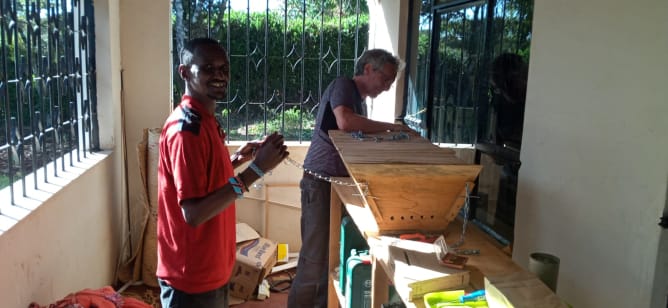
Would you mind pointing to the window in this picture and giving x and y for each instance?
(282, 55)
(467, 86)
(47, 90)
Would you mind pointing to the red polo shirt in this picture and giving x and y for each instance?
(194, 162)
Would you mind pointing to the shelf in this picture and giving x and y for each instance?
(334, 280)
(492, 262)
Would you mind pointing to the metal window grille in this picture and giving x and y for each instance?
(282, 55)
(47, 89)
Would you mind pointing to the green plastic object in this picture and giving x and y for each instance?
(476, 304)
(351, 238)
(444, 299)
(434, 298)
(358, 279)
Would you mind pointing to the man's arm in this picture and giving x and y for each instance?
(199, 210)
(269, 154)
(349, 121)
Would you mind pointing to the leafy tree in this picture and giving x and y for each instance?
(326, 7)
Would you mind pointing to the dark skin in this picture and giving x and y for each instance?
(206, 79)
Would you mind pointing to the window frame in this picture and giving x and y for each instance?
(422, 117)
(55, 80)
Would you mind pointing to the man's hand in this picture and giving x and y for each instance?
(405, 129)
(271, 152)
(246, 152)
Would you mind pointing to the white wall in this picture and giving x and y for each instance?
(67, 244)
(72, 240)
(387, 24)
(593, 181)
(274, 208)
(145, 41)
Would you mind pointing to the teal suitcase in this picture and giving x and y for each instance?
(351, 238)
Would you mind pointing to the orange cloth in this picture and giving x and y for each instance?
(105, 297)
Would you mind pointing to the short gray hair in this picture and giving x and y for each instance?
(377, 58)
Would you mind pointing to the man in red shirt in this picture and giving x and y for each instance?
(197, 185)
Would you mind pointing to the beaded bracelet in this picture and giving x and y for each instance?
(237, 186)
(256, 169)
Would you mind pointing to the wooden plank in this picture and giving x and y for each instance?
(334, 245)
(491, 261)
(414, 268)
(349, 194)
(407, 184)
(379, 289)
(416, 150)
(404, 197)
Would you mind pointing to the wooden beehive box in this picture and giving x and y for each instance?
(407, 184)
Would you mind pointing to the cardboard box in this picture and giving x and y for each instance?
(256, 256)
(415, 268)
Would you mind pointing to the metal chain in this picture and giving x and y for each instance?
(362, 137)
(290, 161)
(359, 135)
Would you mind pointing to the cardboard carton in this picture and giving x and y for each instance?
(415, 269)
(256, 256)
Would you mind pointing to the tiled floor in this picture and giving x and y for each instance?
(279, 294)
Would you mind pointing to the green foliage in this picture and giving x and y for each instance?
(468, 39)
(278, 60)
(289, 124)
(36, 58)
(325, 7)
(261, 65)
(4, 181)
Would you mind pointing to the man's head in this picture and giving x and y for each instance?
(375, 72)
(205, 69)
(509, 77)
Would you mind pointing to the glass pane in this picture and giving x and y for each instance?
(467, 86)
(418, 77)
(458, 64)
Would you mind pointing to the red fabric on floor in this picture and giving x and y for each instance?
(105, 297)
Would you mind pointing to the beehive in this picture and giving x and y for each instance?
(407, 184)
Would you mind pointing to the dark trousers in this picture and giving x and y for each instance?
(309, 288)
(173, 298)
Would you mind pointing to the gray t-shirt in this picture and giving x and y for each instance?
(322, 156)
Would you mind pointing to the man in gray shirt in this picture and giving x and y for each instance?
(341, 107)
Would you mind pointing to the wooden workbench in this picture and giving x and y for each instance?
(405, 184)
(491, 262)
